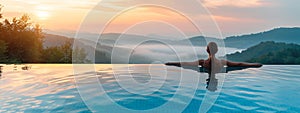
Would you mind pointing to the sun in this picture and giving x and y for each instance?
(42, 12)
(42, 15)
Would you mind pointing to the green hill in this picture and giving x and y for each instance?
(286, 35)
(269, 52)
(284, 56)
(51, 40)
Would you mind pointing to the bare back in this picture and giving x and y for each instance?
(212, 64)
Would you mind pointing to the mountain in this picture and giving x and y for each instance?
(202, 41)
(154, 47)
(284, 56)
(286, 35)
(51, 40)
(269, 52)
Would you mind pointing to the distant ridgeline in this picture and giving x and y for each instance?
(277, 46)
(269, 52)
(24, 42)
(269, 47)
(286, 35)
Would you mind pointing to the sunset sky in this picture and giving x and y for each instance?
(234, 17)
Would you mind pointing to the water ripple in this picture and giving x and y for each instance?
(53, 88)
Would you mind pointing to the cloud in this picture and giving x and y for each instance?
(236, 19)
(61, 4)
(234, 3)
(12, 14)
(234, 16)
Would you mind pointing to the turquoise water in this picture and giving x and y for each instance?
(148, 88)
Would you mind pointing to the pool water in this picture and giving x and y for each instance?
(147, 88)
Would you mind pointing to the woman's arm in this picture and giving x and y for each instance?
(242, 64)
(195, 63)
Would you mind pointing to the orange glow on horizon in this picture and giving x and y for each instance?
(145, 14)
(236, 16)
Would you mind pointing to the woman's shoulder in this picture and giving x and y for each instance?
(223, 61)
(201, 61)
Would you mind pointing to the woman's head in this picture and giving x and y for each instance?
(212, 48)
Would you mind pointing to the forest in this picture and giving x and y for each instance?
(269, 52)
(22, 42)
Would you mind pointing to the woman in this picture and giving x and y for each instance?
(212, 64)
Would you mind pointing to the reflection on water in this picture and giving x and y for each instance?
(43, 88)
(53, 88)
(212, 83)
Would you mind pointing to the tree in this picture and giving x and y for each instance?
(284, 56)
(52, 55)
(3, 51)
(64, 54)
(0, 11)
(24, 40)
(79, 55)
(67, 52)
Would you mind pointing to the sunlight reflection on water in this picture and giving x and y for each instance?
(50, 87)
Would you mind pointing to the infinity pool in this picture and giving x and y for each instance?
(147, 88)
